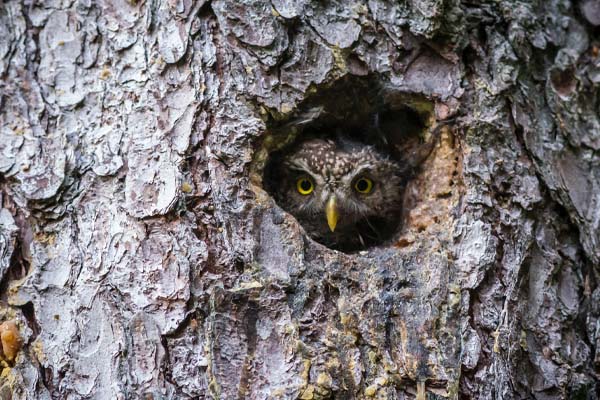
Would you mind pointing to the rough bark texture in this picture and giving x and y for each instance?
(141, 258)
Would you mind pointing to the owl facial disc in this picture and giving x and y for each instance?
(344, 193)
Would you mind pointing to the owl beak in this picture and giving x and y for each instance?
(332, 213)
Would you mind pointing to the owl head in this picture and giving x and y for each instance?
(344, 193)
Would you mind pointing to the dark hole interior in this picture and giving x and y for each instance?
(362, 111)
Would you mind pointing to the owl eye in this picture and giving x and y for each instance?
(363, 185)
(305, 186)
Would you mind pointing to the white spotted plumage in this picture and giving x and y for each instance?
(334, 166)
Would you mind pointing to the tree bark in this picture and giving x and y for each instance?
(142, 256)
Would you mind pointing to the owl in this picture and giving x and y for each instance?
(346, 195)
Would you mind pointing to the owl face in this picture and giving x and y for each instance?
(341, 191)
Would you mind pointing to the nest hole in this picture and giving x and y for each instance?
(361, 111)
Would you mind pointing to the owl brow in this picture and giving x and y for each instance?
(362, 171)
(299, 165)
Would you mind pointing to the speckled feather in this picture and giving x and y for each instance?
(334, 166)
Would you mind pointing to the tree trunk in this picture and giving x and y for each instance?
(142, 255)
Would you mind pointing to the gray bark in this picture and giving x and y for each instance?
(142, 258)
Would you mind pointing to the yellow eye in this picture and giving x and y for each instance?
(363, 185)
(305, 186)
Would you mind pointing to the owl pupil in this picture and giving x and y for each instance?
(362, 185)
(305, 185)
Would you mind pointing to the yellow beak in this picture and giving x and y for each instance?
(332, 213)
